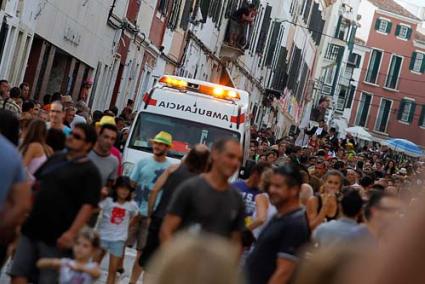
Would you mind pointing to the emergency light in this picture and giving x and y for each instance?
(216, 91)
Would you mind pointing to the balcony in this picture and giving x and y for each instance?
(235, 41)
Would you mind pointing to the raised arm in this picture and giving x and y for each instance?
(261, 208)
(50, 263)
(158, 187)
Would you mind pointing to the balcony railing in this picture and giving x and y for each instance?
(235, 41)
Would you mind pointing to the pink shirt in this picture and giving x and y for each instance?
(115, 152)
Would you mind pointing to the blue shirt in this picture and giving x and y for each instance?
(334, 232)
(146, 173)
(11, 168)
(248, 196)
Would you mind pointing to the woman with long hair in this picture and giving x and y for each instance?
(390, 167)
(324, 206)
(34, 149)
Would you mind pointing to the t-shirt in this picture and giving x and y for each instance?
(146, 173)
(107, 166)
(248, 196)
(203, 208)
(281, 238)
(362, 235)
(174, 180)
(115, 219)
(69, 276)
(334, 232)
(66, 130)
(63, 188)
(11, 168)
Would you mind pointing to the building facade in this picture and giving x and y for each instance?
(16, 37)
(336, 64)
(389, 99)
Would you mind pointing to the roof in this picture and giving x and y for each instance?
(393, 7)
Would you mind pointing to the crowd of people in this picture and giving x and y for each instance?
(65, 204)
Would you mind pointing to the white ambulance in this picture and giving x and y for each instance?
(193, 112)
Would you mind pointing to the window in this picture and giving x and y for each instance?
(383, 26)
(383, 115)
(406, 110)
(417, 62)
(363, 110)
(330, 75)
(186, 133)
(422, 117)
(350, 98)
(340, 103)
(354, 59)
(394, 72)
(403, 31)
(332, 51)
(342, 28)
(374, 65)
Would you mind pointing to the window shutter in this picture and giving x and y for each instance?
(389, 26)
(261, 44)
(338, 26)
(423, 64)
(422, 116)
(184, 21)
(413, 60)
(397, 30)
(272, 44)
(377, 23)
(409, 33)
(412, 112)
(400, 109)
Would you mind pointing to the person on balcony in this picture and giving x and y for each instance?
(240, 20)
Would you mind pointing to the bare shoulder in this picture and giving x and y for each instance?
(171, 169)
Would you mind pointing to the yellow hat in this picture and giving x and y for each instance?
(163, 138)
(106, 120)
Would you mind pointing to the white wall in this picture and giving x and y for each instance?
(86, 22)
(366, 10)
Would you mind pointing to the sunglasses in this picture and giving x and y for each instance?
(77, 136)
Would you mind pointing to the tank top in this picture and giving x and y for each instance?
(320, 205)
(174, 180)
(35, 164)
(271, 211)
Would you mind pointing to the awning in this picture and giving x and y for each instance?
(341, 125)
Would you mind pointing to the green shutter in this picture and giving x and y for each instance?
(423, 64)
(412, 112)
(389, 26)
(338, 26)
(413, 60)
(422, 116)
(400, 109)
(397, 30)
(377, 23)
(409, 33)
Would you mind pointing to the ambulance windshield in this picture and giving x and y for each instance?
(185, 133)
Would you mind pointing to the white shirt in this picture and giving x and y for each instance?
(115, 219)
(69, 276)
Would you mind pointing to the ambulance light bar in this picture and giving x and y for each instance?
(217, 92)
